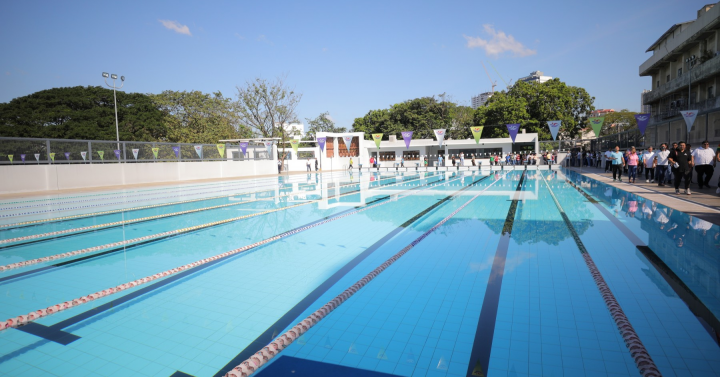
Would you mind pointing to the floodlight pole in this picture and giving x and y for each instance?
(122, 80)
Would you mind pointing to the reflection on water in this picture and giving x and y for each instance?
(688, 245)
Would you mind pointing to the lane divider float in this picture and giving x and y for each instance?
(260, 358)
(639, 353)
(30, 222)
(165, 234)
(141, 219)
(40, 313)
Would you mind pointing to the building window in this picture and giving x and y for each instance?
(305, 154)
(387, 156)
(411, 155)
(354, 147)
(330, 147)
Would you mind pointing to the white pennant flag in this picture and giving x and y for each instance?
(440, 136)
(347, 140)
(198, 150)
(37, 156)
(554, 127)
(83, 155)
(135, 152)
(689, 116)
(269, 146)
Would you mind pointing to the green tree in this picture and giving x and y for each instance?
(267, 107)
(321, 123)
(500, 110)
(82, 113)
(618, 121)
(196, 117)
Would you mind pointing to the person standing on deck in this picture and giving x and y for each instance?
(608, 161)
(618, 162)
(632, 162)
(661, 163)
(351, 162)
(649, 162)
(681, 161)
(307, 164)
(462, 159)
(704, 159)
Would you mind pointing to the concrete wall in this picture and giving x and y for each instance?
(30, 178)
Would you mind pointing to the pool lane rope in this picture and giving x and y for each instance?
(224, 186)
(141, 219)
(260, 358)
(171, 232)
(126, 209)
(639, 353)
(32, 316)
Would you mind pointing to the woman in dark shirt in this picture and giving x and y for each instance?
(681, 161)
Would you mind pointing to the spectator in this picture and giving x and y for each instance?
(660, 161)
(632, 162)
(618, 162)
(704, 161)
(649, 162)
(681, 161)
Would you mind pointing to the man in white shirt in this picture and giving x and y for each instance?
(648, 158)
(661, 164)
(704, 160)
(608, 161)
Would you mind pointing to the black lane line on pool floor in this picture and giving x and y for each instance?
(171, 215)
(480, 354)
(54, 332)
(706, 317)
(288, 318)
(125, 247)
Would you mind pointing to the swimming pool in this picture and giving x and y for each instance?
(514, 273)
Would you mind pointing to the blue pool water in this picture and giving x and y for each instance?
(500, 289)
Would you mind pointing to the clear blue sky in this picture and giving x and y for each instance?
(345, 57)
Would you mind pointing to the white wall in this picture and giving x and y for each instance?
(30, 178)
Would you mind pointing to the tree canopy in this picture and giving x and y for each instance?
(321, 123)
(196, 117)
(82, 113)
(420, 115)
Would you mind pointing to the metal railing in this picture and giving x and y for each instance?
(30, 151)
(624, 139)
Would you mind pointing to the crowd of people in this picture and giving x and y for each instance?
(679, 163)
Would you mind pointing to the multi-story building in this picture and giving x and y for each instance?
(685, 72)
(644, 108)
(480, 99)
(536, 76)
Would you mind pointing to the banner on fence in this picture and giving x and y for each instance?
(10, 157)
(221, 150)
(554, 127)
(513, 129)
(135, 153)
(378, 139)
(155, 152)
(440, 136)
(477, 132)
(117, 153)
(198, 150)
(22, 157)
(37, 157)
(52, 156)
(243, 147)
(689, 116)
(67, 155)
(407, 136)
(177, 151)
(83, 155)
(596, 124)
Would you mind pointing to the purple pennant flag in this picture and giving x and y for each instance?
(117, 153)
(177, 151)
(642, 122)
(407, 136)
(321, 143)
(67, 155)
(513, 130)
(243, 147)
(22, 157)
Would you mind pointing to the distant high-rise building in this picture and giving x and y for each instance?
(480, 99)
(536, 76)
(645, 109)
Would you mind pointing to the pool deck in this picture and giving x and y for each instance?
(704, 204)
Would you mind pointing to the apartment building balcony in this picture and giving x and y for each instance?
(700, 28)
(701, 106)
(700, 72)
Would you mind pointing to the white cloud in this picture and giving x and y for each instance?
(176, 27)
(240, 37)
(498, 43)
